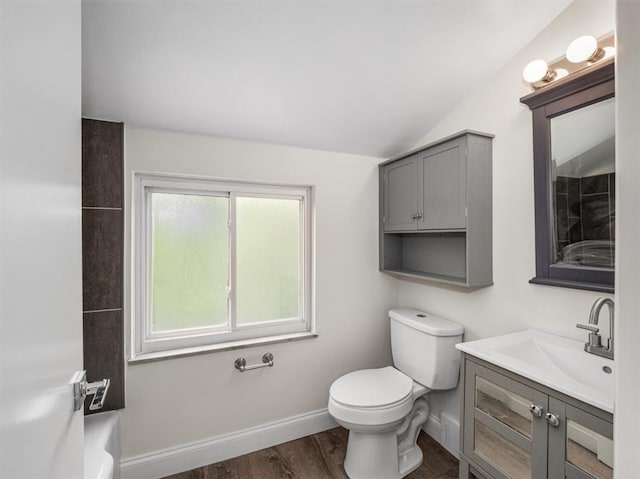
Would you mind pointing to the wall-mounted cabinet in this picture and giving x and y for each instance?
(513, 427)
(435, 212)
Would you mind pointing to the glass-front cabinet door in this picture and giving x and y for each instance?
(581, 444)
(504, 430)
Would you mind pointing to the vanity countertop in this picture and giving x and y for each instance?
(555, 361)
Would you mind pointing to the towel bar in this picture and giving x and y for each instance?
(241, 363)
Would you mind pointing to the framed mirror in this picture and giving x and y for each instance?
(574, 180)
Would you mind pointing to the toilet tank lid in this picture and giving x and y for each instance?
(426, 322)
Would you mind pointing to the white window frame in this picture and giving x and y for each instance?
(145, 342)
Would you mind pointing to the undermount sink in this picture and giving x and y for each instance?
(552, 360)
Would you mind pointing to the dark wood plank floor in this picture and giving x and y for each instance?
(316, 457)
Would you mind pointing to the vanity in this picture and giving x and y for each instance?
(535, 405)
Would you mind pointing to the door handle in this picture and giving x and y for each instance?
(82, 388)
(552, 419)
(535, 410)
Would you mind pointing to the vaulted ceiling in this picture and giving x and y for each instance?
(359, 76)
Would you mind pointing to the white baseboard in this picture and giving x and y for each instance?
(190, 456)
(446, 431)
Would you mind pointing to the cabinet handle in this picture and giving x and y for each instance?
(414, 217)
(535, 410)
(552, 419)
(418, 216)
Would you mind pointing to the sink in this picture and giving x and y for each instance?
(552, 360)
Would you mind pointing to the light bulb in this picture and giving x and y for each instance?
(535, 71)
(609, 52)
(583, 49)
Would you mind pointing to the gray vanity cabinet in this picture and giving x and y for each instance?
(514, 428)
(435, 212)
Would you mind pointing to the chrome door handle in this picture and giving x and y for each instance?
(82, 388)
(535, 410)
(552, 419)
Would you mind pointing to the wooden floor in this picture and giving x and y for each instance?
(316, 457)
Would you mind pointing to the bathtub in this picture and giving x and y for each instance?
(102, 446)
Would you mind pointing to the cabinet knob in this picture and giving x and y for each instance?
(552, 419)
(535, 410)
(418, 216)
(414, 217)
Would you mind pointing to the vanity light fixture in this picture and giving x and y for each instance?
(581, 53)
(538, 74)
(584, 49)
(536, 71)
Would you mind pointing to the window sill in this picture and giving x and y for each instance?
(245, 343)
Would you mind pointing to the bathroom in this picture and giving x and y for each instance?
(182, 409)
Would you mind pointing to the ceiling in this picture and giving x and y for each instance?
(368, 77)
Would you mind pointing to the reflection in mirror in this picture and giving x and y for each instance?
(583, 174)
(589, 451)
(505, 406)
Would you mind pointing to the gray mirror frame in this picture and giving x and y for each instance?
(591, 86)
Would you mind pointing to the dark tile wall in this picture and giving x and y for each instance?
(104, 353)
(585, 208)
(102, 256)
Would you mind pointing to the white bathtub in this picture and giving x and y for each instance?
(102, 446)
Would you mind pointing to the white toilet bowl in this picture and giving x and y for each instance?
(384, 409)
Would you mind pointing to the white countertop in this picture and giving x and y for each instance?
(552, 360)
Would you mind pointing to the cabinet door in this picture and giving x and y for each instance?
(401, 195)
(581, 445)
(442, 196)
(500, 433)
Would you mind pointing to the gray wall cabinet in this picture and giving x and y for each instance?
(515, 428)
(436, 210)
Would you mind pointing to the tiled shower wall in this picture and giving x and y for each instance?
(102, 256)
(585, 208)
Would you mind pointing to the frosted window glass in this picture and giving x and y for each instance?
(189, 260)
(268, 259)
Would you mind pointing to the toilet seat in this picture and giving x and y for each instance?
(371, 396)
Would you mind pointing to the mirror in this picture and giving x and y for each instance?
(574, 180)
(583, 180)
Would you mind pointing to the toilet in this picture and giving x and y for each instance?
(384, 409)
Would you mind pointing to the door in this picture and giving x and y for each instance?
(580, 444)
(401, 195)
(442, 200)
(40, 240)
(504, 432)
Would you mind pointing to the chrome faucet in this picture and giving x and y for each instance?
(594, 345)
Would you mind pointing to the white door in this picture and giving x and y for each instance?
(40, 239)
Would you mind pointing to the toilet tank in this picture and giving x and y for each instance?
(423, 347)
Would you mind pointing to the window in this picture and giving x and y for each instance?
(219, 262)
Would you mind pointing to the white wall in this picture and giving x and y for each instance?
(627, 419)
(176, 401)
(512, 303)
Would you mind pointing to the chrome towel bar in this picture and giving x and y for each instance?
(241, 363)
